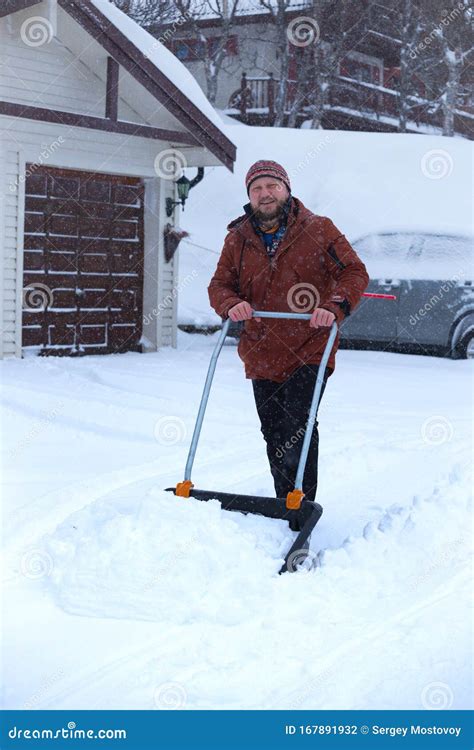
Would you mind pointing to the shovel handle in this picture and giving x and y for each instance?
(210, 376)
(307, 316)
(287, 315)
(316, 394)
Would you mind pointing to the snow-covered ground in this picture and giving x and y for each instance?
(120, 595)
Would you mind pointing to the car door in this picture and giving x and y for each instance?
(440, 270)
(375, 319)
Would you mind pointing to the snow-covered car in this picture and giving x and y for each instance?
(431, 276)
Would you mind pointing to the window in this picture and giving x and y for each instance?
(194, 49)
(361, 68)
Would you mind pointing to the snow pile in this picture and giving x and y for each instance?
(387, 608)
(163, 558)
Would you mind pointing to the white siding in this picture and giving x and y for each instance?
(51, 76)
(159, 311)
(12, 214)
(170, 290)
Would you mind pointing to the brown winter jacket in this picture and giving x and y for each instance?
(314, 266)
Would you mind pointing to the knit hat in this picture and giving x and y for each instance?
(266, 168)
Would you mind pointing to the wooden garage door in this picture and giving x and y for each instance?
(83, 262)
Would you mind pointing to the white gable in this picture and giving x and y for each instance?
(161, 57)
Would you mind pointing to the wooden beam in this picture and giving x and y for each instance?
(72, 119)
(111, 100)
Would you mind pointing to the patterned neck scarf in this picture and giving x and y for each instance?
(273, 238)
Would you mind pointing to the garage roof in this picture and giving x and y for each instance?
(148, 61)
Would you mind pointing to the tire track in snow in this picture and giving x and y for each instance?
(107, 676)
(42, 515)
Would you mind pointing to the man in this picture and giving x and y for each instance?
(280, 256)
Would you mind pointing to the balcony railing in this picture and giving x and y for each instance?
(257, 94)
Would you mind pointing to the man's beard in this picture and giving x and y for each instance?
(270, 216)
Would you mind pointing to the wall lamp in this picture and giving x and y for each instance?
(184, 186)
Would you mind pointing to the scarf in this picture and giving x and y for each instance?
(271, 239)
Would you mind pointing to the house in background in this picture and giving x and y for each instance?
(363, 95)
(97, 119)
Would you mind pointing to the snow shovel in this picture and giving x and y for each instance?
(302, 515)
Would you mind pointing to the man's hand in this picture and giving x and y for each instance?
(241, 311)
(321, 317)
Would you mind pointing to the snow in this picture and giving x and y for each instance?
(120, 595)
(365, 182)
(161, 57)
(418, 255)
(245, 7)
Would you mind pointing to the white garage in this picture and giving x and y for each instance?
(98, 119)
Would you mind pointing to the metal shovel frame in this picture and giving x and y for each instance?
(302, 515)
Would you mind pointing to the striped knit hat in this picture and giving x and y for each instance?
(266, 168)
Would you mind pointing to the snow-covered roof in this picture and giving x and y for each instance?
(163, 78)
(249, 8)
(213, 9)
(161, 57)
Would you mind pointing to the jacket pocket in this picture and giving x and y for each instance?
(253, 330)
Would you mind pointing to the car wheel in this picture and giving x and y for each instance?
(465, 348)
(470, 347)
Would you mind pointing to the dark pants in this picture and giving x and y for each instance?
(283, 409)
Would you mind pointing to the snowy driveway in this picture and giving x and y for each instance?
(119, 595)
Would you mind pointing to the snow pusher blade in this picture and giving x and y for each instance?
(303, 520)
(302, 515)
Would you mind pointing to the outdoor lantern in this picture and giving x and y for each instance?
(184, 186)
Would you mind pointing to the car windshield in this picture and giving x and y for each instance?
(416, 256)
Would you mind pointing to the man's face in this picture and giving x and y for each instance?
(267, 197)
